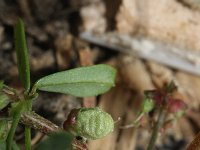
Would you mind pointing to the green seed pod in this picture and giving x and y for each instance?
(89, 123)
(148, 105)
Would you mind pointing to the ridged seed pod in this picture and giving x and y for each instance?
(89, 123)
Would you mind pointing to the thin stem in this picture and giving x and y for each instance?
(27, 138)
(27, 128)
(135, 122)
(11, 133)
(158, 125)
(37, 122)
(138, 118)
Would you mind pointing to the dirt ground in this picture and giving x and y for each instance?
(53, 28)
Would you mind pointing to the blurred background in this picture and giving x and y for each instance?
(54, 30)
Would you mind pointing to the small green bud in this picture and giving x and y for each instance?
(148, 105)
(89, 123)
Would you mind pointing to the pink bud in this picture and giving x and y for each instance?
(156, 95)
(175, 105)
(71, 120)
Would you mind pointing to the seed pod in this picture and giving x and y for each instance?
(89, 123)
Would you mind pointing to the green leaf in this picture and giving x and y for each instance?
(15, 146)
(4, 101)
(3, 145)
(3, 129)
(60, 141)
(22, 54)
(81, 82)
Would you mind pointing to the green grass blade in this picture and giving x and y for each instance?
(22, 54)
(80, 82)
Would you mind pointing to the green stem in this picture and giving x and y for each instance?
(138, 118)
(27, 138)
(158, 125)
(16, 118)
(32, 91)
(135, 122)
(27, 128)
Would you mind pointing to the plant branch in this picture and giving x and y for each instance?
(158, 125)
(135, 122)
(39, 123)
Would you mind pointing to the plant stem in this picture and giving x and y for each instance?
(11, 133)
(27, 138)
(27, 128)
(135, 122)
(37, 122)
(158, 125)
